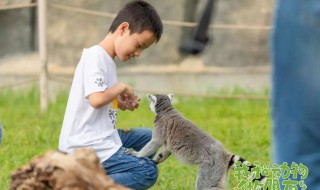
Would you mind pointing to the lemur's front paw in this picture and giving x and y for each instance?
(131, 151)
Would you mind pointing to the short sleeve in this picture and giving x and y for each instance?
(94, 73)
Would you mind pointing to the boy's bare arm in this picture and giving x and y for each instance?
(99, 99)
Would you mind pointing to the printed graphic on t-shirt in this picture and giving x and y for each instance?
(99, 82)
(113, 116)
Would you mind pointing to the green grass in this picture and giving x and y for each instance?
(243, 126)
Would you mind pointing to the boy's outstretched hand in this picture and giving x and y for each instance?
(128, 103)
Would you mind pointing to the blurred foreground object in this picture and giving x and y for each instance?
(55, 170)
(197, 44)
(295, 89)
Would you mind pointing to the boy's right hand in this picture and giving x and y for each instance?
(99, 99)
(128, 93)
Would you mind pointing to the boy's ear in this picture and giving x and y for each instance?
(170, 96)
(152, 98)
(123, 27)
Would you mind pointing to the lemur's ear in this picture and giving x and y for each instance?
(170, 97)
(152, 98)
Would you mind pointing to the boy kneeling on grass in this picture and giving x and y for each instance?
(91, 113)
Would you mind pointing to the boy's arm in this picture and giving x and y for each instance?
(99, 99)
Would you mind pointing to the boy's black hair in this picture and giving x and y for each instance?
(141, 16)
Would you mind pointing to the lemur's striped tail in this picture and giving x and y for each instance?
(235, 158)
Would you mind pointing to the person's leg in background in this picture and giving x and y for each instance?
(296, 86)
(128, 170)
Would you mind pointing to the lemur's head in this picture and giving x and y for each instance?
(159, 102)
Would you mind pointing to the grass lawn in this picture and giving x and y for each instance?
(243, 126)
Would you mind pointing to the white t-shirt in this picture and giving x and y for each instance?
(84, 126)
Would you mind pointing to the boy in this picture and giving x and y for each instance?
(90, 117)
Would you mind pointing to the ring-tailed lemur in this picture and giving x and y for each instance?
(189, 144)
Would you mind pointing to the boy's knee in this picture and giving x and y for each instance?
(149, 174)
(147, 132)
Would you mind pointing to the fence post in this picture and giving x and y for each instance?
(43, 55)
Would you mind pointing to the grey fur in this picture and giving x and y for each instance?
(188, 143)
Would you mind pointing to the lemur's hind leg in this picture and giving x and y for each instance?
(211, 176)
(163, 154)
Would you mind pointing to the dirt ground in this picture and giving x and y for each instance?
(188, 77)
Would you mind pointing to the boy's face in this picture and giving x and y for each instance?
(129, 45)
